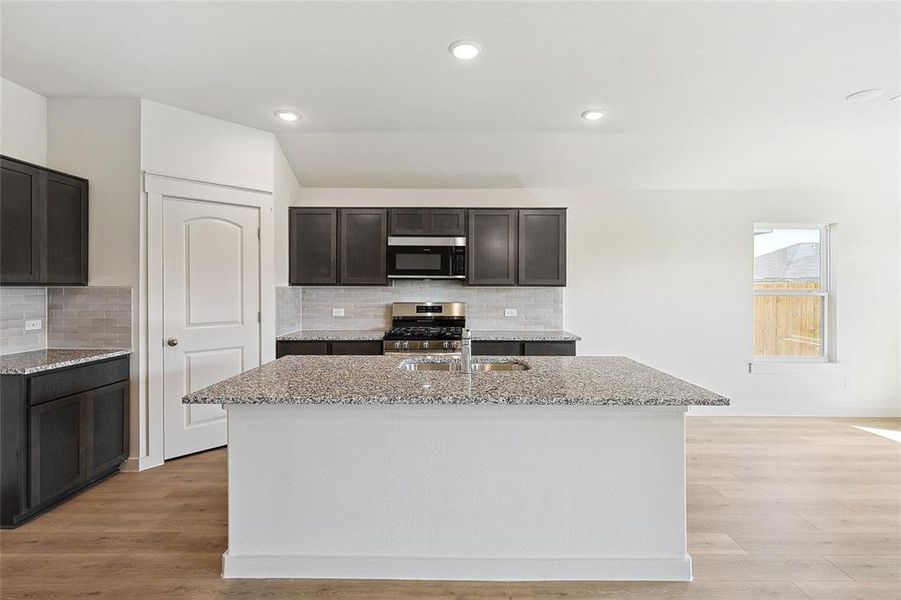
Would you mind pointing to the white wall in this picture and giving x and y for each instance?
(99, 139)
(23, 123)
(665, 278)
(287, 192)
(181, 143)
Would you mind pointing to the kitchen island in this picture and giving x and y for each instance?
(353, 467)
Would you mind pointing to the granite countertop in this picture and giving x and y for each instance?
(35, 361)
(524, 336)
(318, 335)
(359, 380)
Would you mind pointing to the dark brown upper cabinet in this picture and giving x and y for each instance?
(332, 246)
(43, 225)
(427, 221)
(363, 236)
(491, 253)
(542, 246)
(20, 223)
(313, 246)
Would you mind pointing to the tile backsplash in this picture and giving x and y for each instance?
(538, 308)
(71, 317)
(287, 309)
(17, 305)
(89, 317)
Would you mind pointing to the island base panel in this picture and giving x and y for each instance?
(503, 493)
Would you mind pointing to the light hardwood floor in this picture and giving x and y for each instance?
(777, 508)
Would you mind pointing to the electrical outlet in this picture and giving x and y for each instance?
(337, 312)
(33, 325)
(509, 312)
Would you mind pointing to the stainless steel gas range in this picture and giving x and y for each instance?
(423, 328)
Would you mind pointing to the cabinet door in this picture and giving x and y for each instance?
(313, 246)
(409, 221)
(542, 247)
(447, 221)
(20, 223)
(491, 247)
(300, 348)
(66, 208)
(107, 409)
(549, 348)
(364, 246)
(58, 443)
(497, 348)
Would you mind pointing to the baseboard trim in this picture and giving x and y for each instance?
(782, 411)
(141, 463)
(455, 569)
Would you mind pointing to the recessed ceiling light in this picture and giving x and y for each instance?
(865, 95)
(288, 116)
(594, 114)
(465, 49)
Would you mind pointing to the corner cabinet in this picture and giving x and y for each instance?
(43, 226)
(332, 246)
(62, 431)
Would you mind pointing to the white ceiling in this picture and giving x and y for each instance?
(701, 95)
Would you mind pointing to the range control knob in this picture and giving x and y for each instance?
(446, 345)
(425, 345)
(397, 344)
(406, 345)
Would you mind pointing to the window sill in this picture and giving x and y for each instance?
(800, 366)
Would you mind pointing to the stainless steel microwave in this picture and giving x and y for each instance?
(426, 257)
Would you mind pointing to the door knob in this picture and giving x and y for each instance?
(172, 341)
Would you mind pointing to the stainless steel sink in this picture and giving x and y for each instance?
(488, 367)
(409, 365)
(457, 366)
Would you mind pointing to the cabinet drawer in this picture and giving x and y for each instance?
(549, 348)
(300, 348)
(357, 347)
(497, 348)
(78, 379)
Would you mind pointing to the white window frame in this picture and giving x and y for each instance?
(826, 292)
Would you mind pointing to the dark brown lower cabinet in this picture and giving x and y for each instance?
(58, 458)
(325, 347)
(515, 348)
(374, 347)
(353, 347)
(54, 446)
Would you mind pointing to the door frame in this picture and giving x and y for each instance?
(157, 187)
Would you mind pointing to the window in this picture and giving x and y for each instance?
(791, 292)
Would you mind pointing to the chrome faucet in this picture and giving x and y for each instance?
(466, 351)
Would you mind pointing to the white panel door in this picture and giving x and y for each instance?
(211, 300)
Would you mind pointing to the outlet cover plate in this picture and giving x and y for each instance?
(337, 312)
(34, 325)
(509, 312)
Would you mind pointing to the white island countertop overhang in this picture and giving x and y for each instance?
(350, 467)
